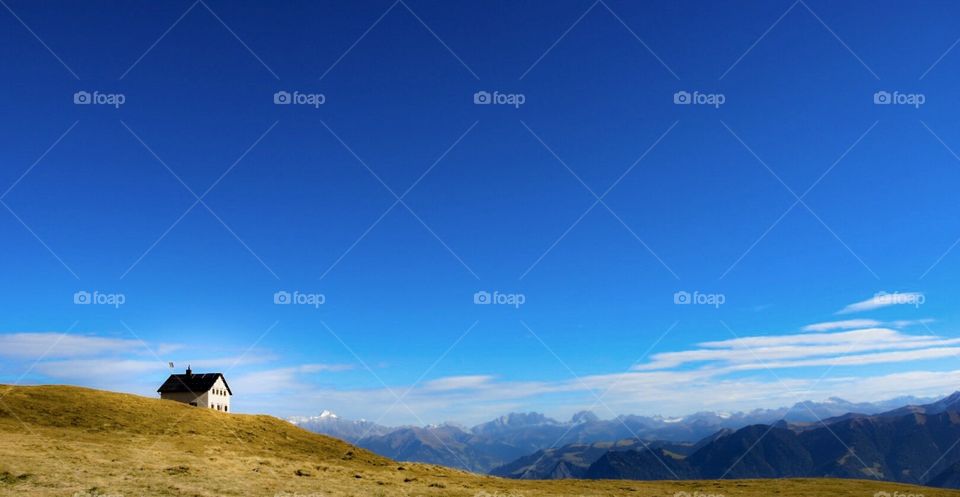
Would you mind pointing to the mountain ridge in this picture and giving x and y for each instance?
(911, 444)
(502, 440)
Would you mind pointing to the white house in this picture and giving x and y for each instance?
(199, 390)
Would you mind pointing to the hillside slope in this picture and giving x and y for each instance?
(57, 441)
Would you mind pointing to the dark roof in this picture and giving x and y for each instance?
(192, 383)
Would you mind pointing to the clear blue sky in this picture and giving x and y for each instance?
(500, 211)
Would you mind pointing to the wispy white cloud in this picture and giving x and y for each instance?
(884, 299)
(842, 325)
(282, 381)
(857, 359)
(458, 382)
(906, 323)
(53, 345)
(760, 352)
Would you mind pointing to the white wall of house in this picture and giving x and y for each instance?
(218, 397)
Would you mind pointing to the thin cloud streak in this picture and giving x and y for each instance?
(842, 325)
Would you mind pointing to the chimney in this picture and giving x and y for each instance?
(189, 371)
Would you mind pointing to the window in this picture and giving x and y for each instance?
(225, 408)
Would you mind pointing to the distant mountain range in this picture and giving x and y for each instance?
(573, 461)
(914, 444)
(488, 446)
(328, 423)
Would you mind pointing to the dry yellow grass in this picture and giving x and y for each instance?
(62, 441)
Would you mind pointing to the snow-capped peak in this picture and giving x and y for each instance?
(328, 414)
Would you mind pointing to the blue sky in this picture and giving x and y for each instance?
(300, 198)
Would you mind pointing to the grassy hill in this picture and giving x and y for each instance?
(60, 441)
